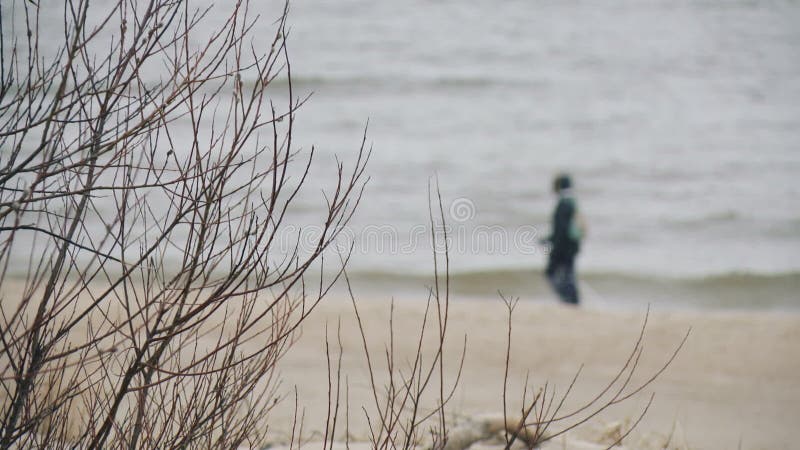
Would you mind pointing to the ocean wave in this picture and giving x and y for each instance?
(747, 290)
(597, 275)
(713, 217)
(393, 82)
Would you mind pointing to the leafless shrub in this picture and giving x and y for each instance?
(543, 411)
(403, 412)
(400, 415)
(144, 293)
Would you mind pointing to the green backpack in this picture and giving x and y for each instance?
(577, 226)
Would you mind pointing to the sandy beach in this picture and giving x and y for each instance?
(734, 384)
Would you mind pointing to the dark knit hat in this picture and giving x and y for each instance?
(562, 181)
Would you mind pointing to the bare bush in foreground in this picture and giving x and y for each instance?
(411, 403)
(144, 291)
(541, 415)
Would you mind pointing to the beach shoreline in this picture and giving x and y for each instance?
(735, 382)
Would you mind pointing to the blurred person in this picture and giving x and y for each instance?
(565, 241)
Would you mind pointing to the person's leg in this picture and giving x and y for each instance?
(560, 273)
(569, 284)
(553, 273)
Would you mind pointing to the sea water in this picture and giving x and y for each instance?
(678, 120)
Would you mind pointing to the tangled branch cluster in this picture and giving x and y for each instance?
(143, 299)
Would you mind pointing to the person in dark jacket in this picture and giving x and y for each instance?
(565, 242)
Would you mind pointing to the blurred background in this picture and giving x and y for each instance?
(679, 121)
